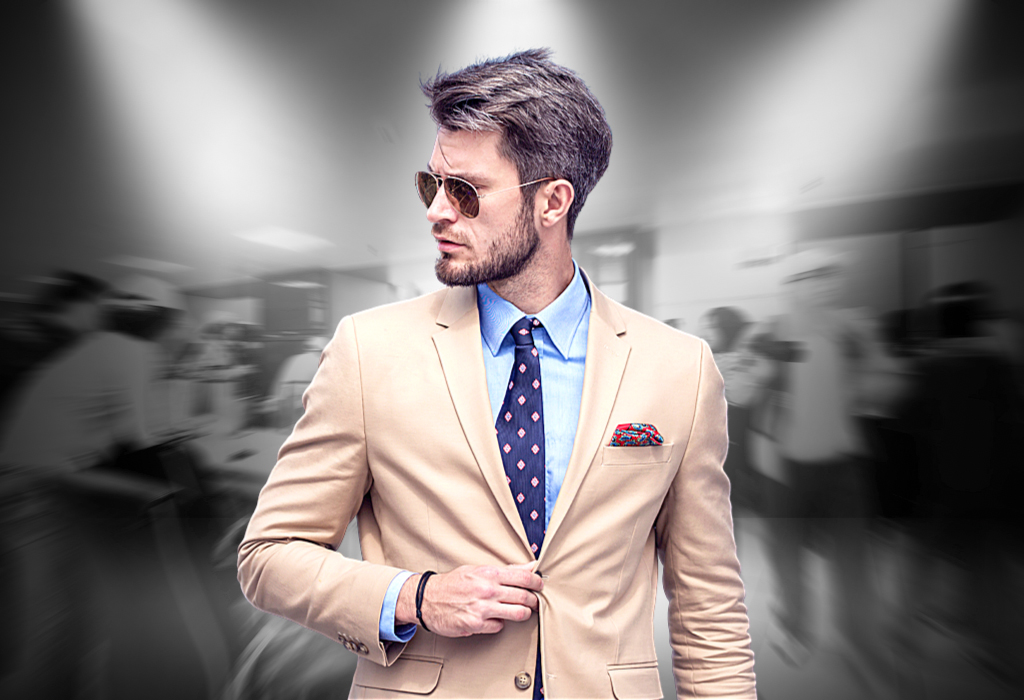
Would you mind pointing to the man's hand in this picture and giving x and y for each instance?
(472, 599)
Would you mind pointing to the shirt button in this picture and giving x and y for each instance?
(522, 680)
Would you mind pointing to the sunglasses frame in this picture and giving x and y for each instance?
(439, 183)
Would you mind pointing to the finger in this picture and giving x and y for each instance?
(529, 566)
(520, 577)
(490, 626)
(518, 596)
(515, 613)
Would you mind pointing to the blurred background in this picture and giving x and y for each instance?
(195, 192)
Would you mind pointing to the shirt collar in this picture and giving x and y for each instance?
(561, 318)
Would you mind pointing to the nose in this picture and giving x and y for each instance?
(441, 209)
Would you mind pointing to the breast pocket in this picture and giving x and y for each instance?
(636, 456)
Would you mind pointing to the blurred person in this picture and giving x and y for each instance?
(726, 329)
(968, 416)
(80, 411)
(96, 397)
(220, 373)
(547, 550)
(66, 308)
(819, 365)
(292, 379)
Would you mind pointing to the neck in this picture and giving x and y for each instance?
(533, 289)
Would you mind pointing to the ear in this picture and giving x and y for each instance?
(553, 201)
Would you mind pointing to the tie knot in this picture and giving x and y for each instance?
(522, 331)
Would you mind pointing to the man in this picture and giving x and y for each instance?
(545, 538)
(822, 369)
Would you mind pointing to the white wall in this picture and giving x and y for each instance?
(740, 262)
(349, 294)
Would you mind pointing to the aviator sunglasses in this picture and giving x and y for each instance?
(461, 194)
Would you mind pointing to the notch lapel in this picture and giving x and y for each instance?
(607, 351)
(460, 349)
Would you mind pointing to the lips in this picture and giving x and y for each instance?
(446, 246)
(445, 243)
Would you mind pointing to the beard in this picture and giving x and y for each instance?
(506, 255)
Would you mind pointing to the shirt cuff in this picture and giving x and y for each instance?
(389, 632)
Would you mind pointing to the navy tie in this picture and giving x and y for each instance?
(520, 429)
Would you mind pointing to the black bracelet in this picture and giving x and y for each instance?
(419, 597)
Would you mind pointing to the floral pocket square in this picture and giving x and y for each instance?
(635, 435)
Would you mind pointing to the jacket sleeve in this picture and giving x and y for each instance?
(708, 625)
(287, 563)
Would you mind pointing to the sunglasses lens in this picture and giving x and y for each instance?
(426, 187)
(463, 196)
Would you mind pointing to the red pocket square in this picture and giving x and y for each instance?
(635, 435)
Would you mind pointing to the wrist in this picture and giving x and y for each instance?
(405, 609)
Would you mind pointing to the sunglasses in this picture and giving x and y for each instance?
(461, 194)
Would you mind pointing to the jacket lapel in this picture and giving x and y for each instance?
(607, 351)
(459, 347)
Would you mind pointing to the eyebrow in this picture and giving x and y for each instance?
(476, 179)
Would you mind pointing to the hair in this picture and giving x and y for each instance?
(961, 308)
(730, 322)
(67, 287)
(551, 124)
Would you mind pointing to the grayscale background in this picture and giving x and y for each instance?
(243, 169)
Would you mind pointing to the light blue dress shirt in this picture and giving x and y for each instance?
(562, 343)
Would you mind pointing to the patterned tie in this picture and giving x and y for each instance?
(520, 429)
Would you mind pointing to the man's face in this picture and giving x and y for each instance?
(502, 239)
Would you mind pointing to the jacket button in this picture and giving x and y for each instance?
(363, 649)
(522, 680)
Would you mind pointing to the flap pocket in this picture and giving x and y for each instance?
(635, 681)
(629, 456)
(409, 674)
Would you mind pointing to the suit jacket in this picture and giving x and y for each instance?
(397, 429)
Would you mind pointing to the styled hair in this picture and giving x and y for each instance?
(551, 124)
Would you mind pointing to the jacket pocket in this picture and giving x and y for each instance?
(635, 681)
(409, 674)
(635, 456)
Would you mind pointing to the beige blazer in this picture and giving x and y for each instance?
(397, 429)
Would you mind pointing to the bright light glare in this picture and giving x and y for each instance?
(835, 101)
(203, 128)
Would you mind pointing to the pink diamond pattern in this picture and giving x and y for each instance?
(520, 433)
